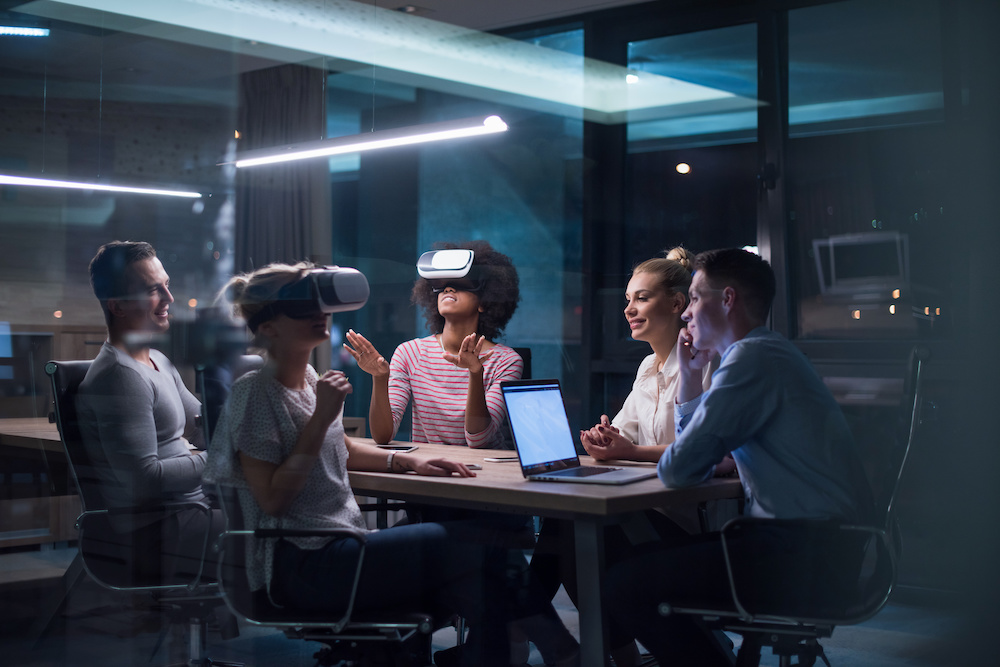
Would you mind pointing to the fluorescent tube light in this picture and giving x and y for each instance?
(405, 136)
(18, 31)
(6, 179)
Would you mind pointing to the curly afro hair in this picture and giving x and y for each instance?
(498, 298)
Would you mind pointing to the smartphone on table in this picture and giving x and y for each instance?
(398, 448)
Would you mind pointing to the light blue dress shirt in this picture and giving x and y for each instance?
(794, 451)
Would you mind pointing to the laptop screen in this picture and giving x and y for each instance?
(540, 426)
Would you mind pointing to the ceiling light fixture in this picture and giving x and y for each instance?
(7, 179)
(404, 136)
(19, 31)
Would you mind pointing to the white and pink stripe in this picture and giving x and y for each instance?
(438, 389)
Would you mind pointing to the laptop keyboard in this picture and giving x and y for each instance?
(585, 471)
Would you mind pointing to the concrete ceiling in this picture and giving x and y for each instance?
(437, 44)
(497, 14)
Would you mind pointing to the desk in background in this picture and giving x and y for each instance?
(38, 505)
(500, 487)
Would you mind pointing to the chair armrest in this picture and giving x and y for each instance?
(356, 535)
(164, 510)
(346, 533)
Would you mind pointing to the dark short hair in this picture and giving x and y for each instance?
(749, 273)
(108, 274)
(498, 297)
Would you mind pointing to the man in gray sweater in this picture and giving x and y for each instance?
(138, 424)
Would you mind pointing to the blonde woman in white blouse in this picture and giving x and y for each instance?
(655, 297)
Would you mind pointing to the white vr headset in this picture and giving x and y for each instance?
(327, 289)
(452, 267)
(442, 264)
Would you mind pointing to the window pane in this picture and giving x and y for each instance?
(867, 166)
(861, 64)
(715, 73)
(520, 192)
(690, 172)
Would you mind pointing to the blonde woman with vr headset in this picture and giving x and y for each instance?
(280, 442)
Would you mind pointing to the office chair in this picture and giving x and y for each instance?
(386, 637)
(186, 601)
(213, 383)
(404, 638)
(790, 617)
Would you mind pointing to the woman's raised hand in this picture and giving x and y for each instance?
(470, 354)
(331, 391)
(368, 358)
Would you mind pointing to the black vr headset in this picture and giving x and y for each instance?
(321, 291)
(451, 268)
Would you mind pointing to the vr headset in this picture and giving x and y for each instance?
(321, 291)
(451, 268)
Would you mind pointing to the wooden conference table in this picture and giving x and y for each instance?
(30, 433)
(500, 487)
(31, 514)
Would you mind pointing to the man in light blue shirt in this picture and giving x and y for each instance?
(792, 446)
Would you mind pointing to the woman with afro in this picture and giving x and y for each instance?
(452, 376)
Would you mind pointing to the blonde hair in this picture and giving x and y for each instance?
(672, 271)
(250, 293)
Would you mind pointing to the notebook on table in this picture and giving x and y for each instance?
(546, 446)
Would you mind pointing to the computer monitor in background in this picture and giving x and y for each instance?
(863, 266)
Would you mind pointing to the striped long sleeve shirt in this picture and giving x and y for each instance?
(439, 389)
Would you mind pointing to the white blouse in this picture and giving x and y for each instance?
(647, 416)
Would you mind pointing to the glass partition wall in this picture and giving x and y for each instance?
(833, 137)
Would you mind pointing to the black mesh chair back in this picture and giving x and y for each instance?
(66, 377)
(105, 562)
(214, 383)
(525, 353)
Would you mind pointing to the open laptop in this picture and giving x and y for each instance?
(545, 443)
